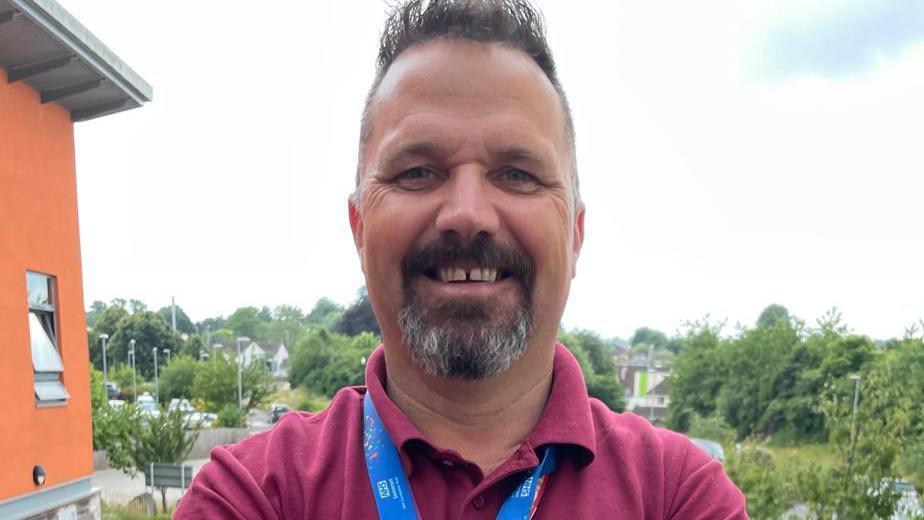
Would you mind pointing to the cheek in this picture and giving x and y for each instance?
(545, 236)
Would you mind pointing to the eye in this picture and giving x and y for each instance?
(415, 178)
(518, 180)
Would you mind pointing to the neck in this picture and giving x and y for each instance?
(484, 421)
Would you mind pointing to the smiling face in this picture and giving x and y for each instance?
(465, 226)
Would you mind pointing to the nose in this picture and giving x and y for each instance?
(467, 208)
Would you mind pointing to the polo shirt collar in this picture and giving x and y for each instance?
(567, 419)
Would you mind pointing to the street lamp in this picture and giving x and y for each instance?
(240, 386)
(131, 352)
(167, 352)
(156, 381)
(856, 397)
(104, 337)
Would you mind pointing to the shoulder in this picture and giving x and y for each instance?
(250, 478)
(692, 484)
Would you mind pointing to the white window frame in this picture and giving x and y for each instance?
(47, 364)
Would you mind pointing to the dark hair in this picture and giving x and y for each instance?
(514, 23)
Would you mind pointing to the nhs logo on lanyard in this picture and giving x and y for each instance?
(526, 489)
(383, 489)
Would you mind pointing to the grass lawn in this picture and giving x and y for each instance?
(823, 455)
(299, 398)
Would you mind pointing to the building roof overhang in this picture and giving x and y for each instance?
(44, 46)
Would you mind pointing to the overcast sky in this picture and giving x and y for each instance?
(732, 155)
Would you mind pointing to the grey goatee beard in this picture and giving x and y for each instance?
(464, 345)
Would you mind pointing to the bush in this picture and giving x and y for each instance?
(311, 403)
(230, 416)
(713, 428)
(768, 490)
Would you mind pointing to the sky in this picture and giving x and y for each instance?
(731, 155)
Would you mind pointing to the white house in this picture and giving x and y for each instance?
(274, 355)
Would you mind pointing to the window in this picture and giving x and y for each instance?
(46, 360)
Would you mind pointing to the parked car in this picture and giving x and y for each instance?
(712, 448)
(276, 412)
(194, 418)
(148, 405)
(908, 505)
(112, 390)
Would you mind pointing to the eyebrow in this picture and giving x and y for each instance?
(433, 150)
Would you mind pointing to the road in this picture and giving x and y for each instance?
(119, 488)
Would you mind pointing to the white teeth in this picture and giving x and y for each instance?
(476, 274)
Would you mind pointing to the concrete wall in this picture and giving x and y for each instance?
(211, 437)
(39, 232)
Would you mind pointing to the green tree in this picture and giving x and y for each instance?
(194, 347)
(595, 359)
(137, 306)
(326, 313)
(247, 321)
(164, 440)
(868, 443)
(121, 375)
(183, 323)
(107, 322)
(359, 317)
(648, 336)
(772, 314)
(323, 362)
(697, 375)
(149, 330)
(752, 363)
(95, 311)
(215, 383)
(176, 379)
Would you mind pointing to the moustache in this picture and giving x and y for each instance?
(483, 250)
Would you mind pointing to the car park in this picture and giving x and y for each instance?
(148, 405)
(194, 418)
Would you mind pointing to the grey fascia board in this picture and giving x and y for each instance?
(47, 499)
(49, 15)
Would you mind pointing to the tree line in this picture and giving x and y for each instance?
(783, 383)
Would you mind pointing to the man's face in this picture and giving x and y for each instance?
(466, 227)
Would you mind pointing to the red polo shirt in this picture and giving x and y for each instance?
(610, 465)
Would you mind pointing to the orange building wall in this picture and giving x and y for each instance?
(39, 232)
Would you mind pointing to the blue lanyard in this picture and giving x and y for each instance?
(392, 491)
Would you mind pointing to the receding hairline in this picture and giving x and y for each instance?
(372, 99)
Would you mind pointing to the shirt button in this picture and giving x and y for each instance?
(478, 501)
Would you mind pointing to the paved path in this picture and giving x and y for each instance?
(119, 488)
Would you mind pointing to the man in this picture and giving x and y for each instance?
(468, 223)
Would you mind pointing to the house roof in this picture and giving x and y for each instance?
(270, 348)
(44, 46)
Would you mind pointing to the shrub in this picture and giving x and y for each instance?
(230, 416)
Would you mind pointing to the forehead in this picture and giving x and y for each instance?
(457, 90)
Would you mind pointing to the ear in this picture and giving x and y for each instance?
(356, 225)
(578, 240)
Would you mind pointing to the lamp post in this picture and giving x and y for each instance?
(156, 380)
(131, 352)
(856, 397)
(104, 337)
(853, 430)
(167, 352)
(240, 386)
